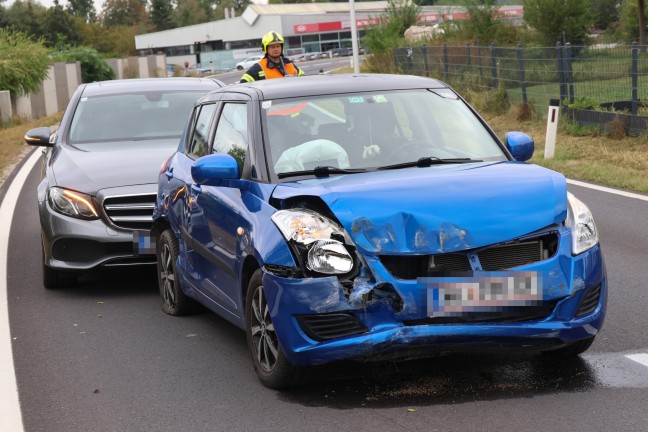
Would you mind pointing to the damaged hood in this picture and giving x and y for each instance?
(89, 169)
(438, 209)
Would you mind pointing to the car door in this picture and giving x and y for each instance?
(217, 209)
(189, 216)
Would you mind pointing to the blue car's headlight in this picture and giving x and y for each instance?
(72, 203)
(584, 234)
(317, 239)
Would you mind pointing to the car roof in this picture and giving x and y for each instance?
(313, 85)
(150, 84)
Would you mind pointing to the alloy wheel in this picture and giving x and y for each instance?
(264, 339)
(168, 277)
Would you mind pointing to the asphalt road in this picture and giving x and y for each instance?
(102, 357)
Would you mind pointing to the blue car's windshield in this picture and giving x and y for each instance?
(371, 130)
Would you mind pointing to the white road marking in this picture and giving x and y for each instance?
(641, 358)
(9, 402)
(608, 190)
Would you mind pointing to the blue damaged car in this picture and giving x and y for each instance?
(370, 217)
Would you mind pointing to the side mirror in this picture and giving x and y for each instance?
(39, 136)
(520, 145)
(210, 170)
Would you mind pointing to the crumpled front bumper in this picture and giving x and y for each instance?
(389, 336)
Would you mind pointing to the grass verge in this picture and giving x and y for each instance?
(12, 143)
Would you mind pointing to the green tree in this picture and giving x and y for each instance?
(390, 30)
(93, 66)
(113, 41)
(553, 17)
(481, 24)
(25, 17)
(83, 9)
(23, 62)
(605, 12)
(124, 12)
(59, 27)
(641, 14)
(190, 12)
(161, 14)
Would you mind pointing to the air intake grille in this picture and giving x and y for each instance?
(590, 301)
(330, 326)
(131, 212)
(492, 258)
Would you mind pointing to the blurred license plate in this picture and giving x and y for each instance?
(143, 243)
(488, 292)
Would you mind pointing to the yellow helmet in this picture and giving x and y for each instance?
(271, 38)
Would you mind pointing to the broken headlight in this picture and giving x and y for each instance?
(316, 239)
(584, 234)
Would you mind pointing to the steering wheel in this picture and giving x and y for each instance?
(401, 152)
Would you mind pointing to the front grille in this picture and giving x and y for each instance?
(491, 258)
(330, 326)
(506, 314)
(131, 212)
(590, 301)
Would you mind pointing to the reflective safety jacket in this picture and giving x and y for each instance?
(267, 69)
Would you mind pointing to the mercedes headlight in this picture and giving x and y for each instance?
(316, 239)
(584, 234)
(72, 203)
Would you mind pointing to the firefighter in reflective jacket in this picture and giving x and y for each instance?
(274, 64)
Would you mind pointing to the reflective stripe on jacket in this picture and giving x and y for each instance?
(264, 69)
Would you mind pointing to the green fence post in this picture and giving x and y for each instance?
(425, 59)
(445, 60)
(468, 59)
(521, 70)
(570, 72)
(635, 78)
(479, 58)
(493, 53)
(561, 72)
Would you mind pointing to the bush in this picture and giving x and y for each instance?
(23, 62)
(93, 66)
(390, 30)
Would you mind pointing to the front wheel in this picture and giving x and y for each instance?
(270, 364)
(173, 300)
(54, 278)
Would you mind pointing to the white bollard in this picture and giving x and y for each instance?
(552, 126)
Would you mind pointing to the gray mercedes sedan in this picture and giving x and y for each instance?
(100, 172)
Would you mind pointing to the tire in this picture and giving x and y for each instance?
(173, 301)
(239, 67)
(270, 364)
(571, 350)
(56, 279)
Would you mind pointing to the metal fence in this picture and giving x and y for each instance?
(598, 76)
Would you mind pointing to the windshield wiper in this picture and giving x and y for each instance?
(321, 171)
(429, 161)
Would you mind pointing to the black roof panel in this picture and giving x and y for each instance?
(312, 85)
(150, 84)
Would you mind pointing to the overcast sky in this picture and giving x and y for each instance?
(50, 3)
